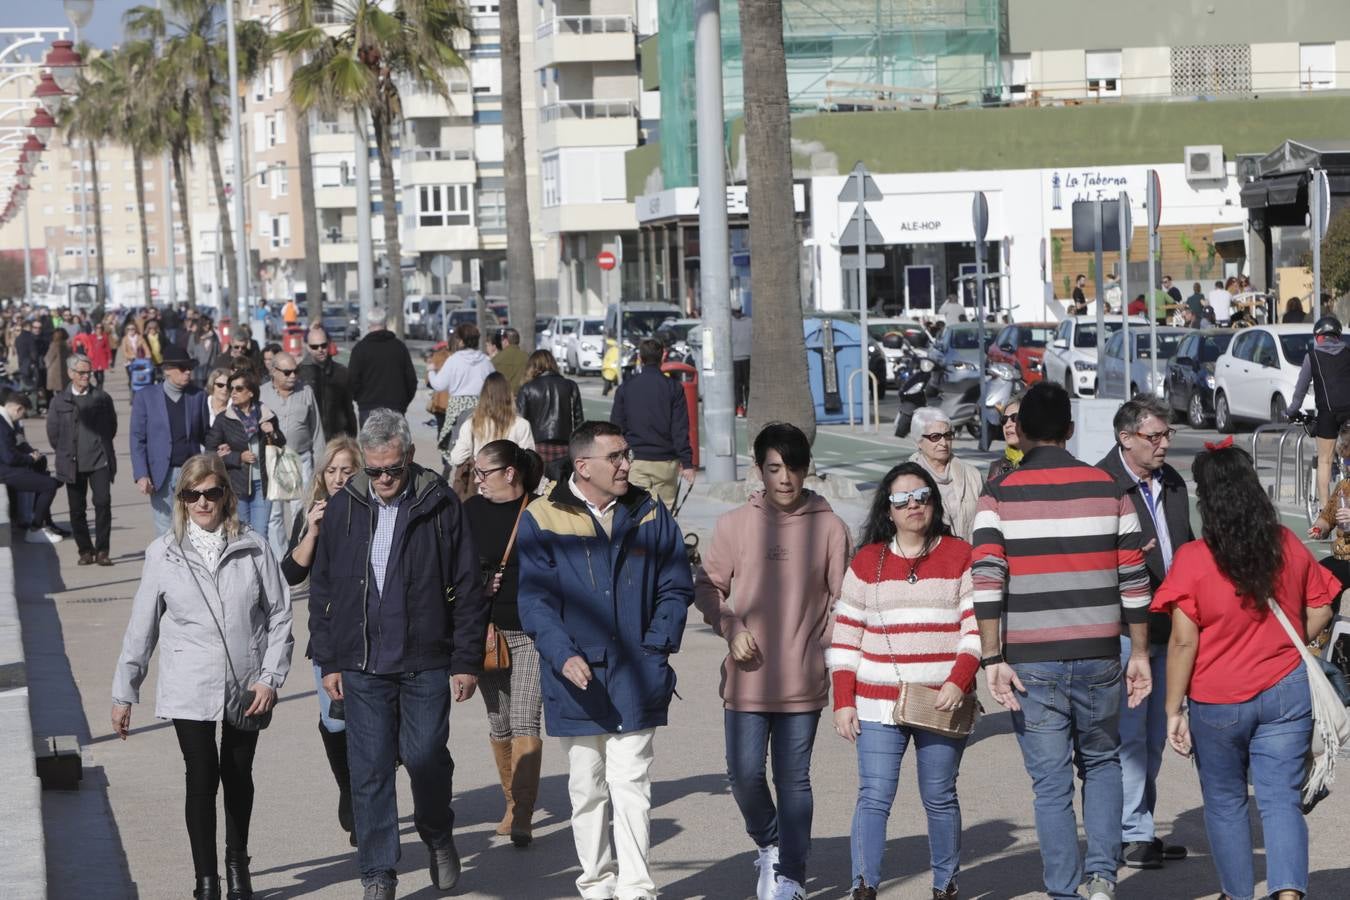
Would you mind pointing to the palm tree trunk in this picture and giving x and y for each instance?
(309, 216)
(137, 160)
(181, 184)
(519, 247)
(382, 122)
(98, 225)
(222, 201)
(778, 385)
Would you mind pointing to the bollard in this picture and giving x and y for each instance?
(687, 375)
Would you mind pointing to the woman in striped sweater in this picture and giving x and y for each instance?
(906, 614)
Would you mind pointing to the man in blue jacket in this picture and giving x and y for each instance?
(397, 622)
(653, 415)
(604, 591)
(167, 424)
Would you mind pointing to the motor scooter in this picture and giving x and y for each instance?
(954, 388)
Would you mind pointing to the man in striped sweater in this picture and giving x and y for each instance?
(1058, 562)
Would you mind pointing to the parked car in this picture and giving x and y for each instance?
(1254, 378)
(341, 322)
(1022, 345)
(1113, 378)
(1189, 383)
(959, 345)
(559, 333)
(469, 314)
(585, 347)
(898, 337)
(1071, 358)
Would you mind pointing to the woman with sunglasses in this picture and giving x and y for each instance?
(506, 474)
(240, 435)
(1012, 452)
(341, 460)
(211, 597)
(909, 571)
(217, 394)
(959, 483)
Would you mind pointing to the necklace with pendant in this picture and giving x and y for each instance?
(913, 576)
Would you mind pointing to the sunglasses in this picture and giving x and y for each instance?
(286, 372)
(318, 346)
(238, 388)
(1005, 419)
(921, 496)
(220, 384)
(374, 473)
(187, 495)
(937, 436)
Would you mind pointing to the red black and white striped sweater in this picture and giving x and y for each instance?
(930, 626)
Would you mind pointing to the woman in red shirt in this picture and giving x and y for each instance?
(1250, 711)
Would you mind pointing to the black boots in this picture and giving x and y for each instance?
(238, 885)
(208, 887)
(335, 746)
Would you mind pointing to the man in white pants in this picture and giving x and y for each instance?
(598, 559)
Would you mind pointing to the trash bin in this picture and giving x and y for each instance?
(224, 328)
(687, 375)
(293, 340)
(833, 354)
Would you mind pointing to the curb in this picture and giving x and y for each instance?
(22, 851)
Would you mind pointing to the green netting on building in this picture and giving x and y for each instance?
(841, 55)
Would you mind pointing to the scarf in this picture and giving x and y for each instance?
(251, 420)
(208, 544)
(1013, 456)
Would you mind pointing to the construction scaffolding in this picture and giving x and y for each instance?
(842, 55)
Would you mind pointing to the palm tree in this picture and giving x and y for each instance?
(181, 124)
(519, 247)
(87, 118)
(361, 68)
(778, 385)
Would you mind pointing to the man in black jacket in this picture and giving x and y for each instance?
(398, 620)
(25, 469)
(381, 369)
(552, 406)
(651, 410)
(1138, 463)
(81, 425)
(331, 383)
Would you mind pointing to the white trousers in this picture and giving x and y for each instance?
(605, 770)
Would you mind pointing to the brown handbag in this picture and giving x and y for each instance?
(496, 655)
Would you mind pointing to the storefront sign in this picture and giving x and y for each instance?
(682, 202)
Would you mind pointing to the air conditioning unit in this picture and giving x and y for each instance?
(1204, 163)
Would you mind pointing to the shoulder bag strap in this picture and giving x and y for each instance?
(1299, 644)
(221, 631)
(890, 650)
(511, 542)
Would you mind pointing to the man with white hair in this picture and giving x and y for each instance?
(81, 425)
(381, 369)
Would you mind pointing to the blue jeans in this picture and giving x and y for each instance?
(1071, 712)
(751, 737)
(880, 751)
(1267, 737)
(397, 717)
(332, 726)
(1143, 734)
(161, 502)
(254, 510)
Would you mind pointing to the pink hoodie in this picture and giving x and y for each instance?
(776, 575)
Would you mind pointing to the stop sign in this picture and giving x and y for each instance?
(606, 260)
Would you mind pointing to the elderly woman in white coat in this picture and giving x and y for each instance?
(211, 597)
(959, 483)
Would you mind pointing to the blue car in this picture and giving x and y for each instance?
(1189, 382)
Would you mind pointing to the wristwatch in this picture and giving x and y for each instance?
(991, 660)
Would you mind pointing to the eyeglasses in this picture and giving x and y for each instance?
(482, 474)
(374, 474)
(238, 388)
(220, 384)
(213, 494)
(318, 346)
(937, 436)
(286, 372)
(85, 373)
(1156, 438)
(921, 496)
(1006, 418)
(617, 458)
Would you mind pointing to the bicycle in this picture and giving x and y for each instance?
(1308, 477)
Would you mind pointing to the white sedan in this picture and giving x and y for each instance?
(1254, 378)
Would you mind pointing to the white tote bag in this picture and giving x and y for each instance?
(285, 481)
(1331, 724)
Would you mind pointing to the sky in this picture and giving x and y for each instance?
(104, 29)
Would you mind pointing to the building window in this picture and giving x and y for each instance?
(548, 174)
(262, 174)
(1016, 74)
(1103, 72)
(131, 250)
(492, 206)
(281, 183)
(1208, 69)
(1316, 66)
(444, 204)
(280, 231)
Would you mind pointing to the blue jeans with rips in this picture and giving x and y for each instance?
(1071, 714)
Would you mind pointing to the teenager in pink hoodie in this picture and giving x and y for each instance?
(769, 580)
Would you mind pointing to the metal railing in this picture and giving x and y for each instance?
(585, 25)
(319, 126)
(876, 404)
(588, 109)
(1281, 432)
(438, 154)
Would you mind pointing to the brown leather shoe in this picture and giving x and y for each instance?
(86, 559)
(102, 558)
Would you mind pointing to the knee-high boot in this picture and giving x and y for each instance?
(502, 753)
(528, 755)
(335, 746)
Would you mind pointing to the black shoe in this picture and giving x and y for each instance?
(208, 887)
(1142, 855)
(86, 558)
(444, 865)
(378, 892)
(947, 893)
(1170, 852)
(238, 884)
(101, 557)
(862, 892)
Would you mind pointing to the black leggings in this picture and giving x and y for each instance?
(207, 768)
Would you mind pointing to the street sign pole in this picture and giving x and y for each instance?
(1154, 201)
(979, 214)
(1317, 216)
(860, 216)
(1097, 227)
(1123, 220)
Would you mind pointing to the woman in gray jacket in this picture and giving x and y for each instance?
(211, 596)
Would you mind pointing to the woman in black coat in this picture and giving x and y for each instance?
(239, 435)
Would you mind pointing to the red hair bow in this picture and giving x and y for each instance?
(1219, 445)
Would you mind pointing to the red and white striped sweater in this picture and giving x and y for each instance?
(933, 636)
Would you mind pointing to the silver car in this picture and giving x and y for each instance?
(1111, 377)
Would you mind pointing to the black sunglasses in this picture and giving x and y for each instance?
(287, 372)
(392, 471)
(220, 384)
(187, 495)
(318, 346)
(1006, 418)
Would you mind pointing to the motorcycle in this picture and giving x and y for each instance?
(954, 388)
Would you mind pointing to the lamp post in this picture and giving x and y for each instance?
(64, 64)
(167, 176)
(237, 146)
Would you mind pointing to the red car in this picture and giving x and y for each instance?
(1022, 344)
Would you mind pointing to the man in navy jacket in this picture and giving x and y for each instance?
(167, 425)
(23, 468)
(653, 414)
(604, 591)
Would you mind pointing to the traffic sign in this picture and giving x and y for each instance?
(871, 234)
(1154, 200)
(606, 260)
(979, 215)
(872, 260)
(849, 192)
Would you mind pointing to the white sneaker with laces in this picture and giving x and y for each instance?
(787, 889)
(42, 535)
(1101, 889)
(765, 860)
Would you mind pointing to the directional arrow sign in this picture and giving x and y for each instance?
(849, 192)
(871, 234)
(873, 260)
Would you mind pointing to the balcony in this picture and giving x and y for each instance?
(335, 196)
(583, 217)
(440, 239)
(588, 123)
(439, 165)
(331, 137)
(572, 39)
(342, 248)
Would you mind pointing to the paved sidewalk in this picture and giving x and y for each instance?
(122, 834)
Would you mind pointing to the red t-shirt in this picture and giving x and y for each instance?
(1242, 651)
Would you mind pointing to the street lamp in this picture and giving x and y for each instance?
(50, 95)
(79, 12)
(34, 148)
(64, 64)
(43, 125)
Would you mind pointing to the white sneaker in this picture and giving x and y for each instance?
(787, 889)
(1101, 889)
(765, 860)
(42, 535)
